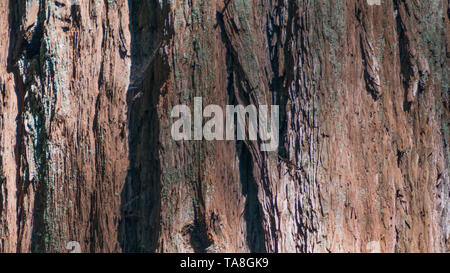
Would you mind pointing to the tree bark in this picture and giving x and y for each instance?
(86, 152)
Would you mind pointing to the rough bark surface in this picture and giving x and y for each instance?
(86, 152)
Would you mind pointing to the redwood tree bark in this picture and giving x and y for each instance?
(86, 152)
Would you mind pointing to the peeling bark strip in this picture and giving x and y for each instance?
(87, 162)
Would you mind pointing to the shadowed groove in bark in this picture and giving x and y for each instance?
(253, 214)
(405, 53)
(15, 49)
(141, 194)
(29, 50)
(199, 239)
(240, 92)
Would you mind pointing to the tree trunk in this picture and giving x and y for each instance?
(86, 152)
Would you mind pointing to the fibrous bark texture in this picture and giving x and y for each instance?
(86, 152)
